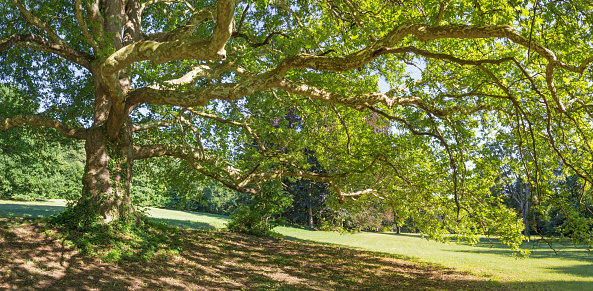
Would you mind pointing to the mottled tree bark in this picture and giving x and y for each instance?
(107, 176)
(108, 168)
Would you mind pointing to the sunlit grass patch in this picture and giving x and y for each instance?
(571, 269)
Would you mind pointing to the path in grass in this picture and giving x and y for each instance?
(572, 269)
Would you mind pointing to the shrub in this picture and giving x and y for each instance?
(260, 215)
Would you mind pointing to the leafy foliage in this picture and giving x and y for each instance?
(36, 163)
(243, 95)
(260, 215)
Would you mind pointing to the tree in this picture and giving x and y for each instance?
(196, 80)
(36, 163)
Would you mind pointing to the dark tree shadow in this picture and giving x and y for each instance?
(184, 223)
(34, 211)
(33, 260)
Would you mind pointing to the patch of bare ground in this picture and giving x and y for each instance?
(33, 257)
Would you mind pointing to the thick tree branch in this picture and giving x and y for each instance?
(161, 52)
(196, 159)
(36, 120)
(201, 49)
(152, 125)
(580, 69)
(422, 33)
(236, 180)
(36, 42)
(431, 55)
(206, 71)
(201, 96)
(96, 20)
(184, 31)
(258, 44)
(362, 101)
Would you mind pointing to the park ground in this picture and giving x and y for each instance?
(34, 256)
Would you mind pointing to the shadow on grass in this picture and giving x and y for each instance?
(30, 259)
(583, 259)
(184, 223)
(225, 217)
(583, 266)
(538, 250)
(34, 211)
(203, 214)
(215, 261)
(537, 247)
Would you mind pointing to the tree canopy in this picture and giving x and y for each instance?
(244, 91)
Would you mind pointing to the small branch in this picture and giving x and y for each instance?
(82, 22)
(442, 7)
(33, 20)
(345, 128)
(240, 26)
(214, 117)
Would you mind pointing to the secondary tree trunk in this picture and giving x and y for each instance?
(526, 210)
(398, 229)
(310, 209)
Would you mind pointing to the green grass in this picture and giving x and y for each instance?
(571, 269)
(35, 209)
(187, 219)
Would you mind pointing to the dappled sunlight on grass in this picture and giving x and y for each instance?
(488, 258)
(215, 221)
(571, 269)
(214, 260)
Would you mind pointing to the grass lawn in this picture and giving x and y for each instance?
(571, 269)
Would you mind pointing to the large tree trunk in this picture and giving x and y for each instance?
(107, 175)
(108, 169)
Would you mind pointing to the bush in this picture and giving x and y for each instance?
(262, 213)
(215, 199)
(146, 194)
(248, 220)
